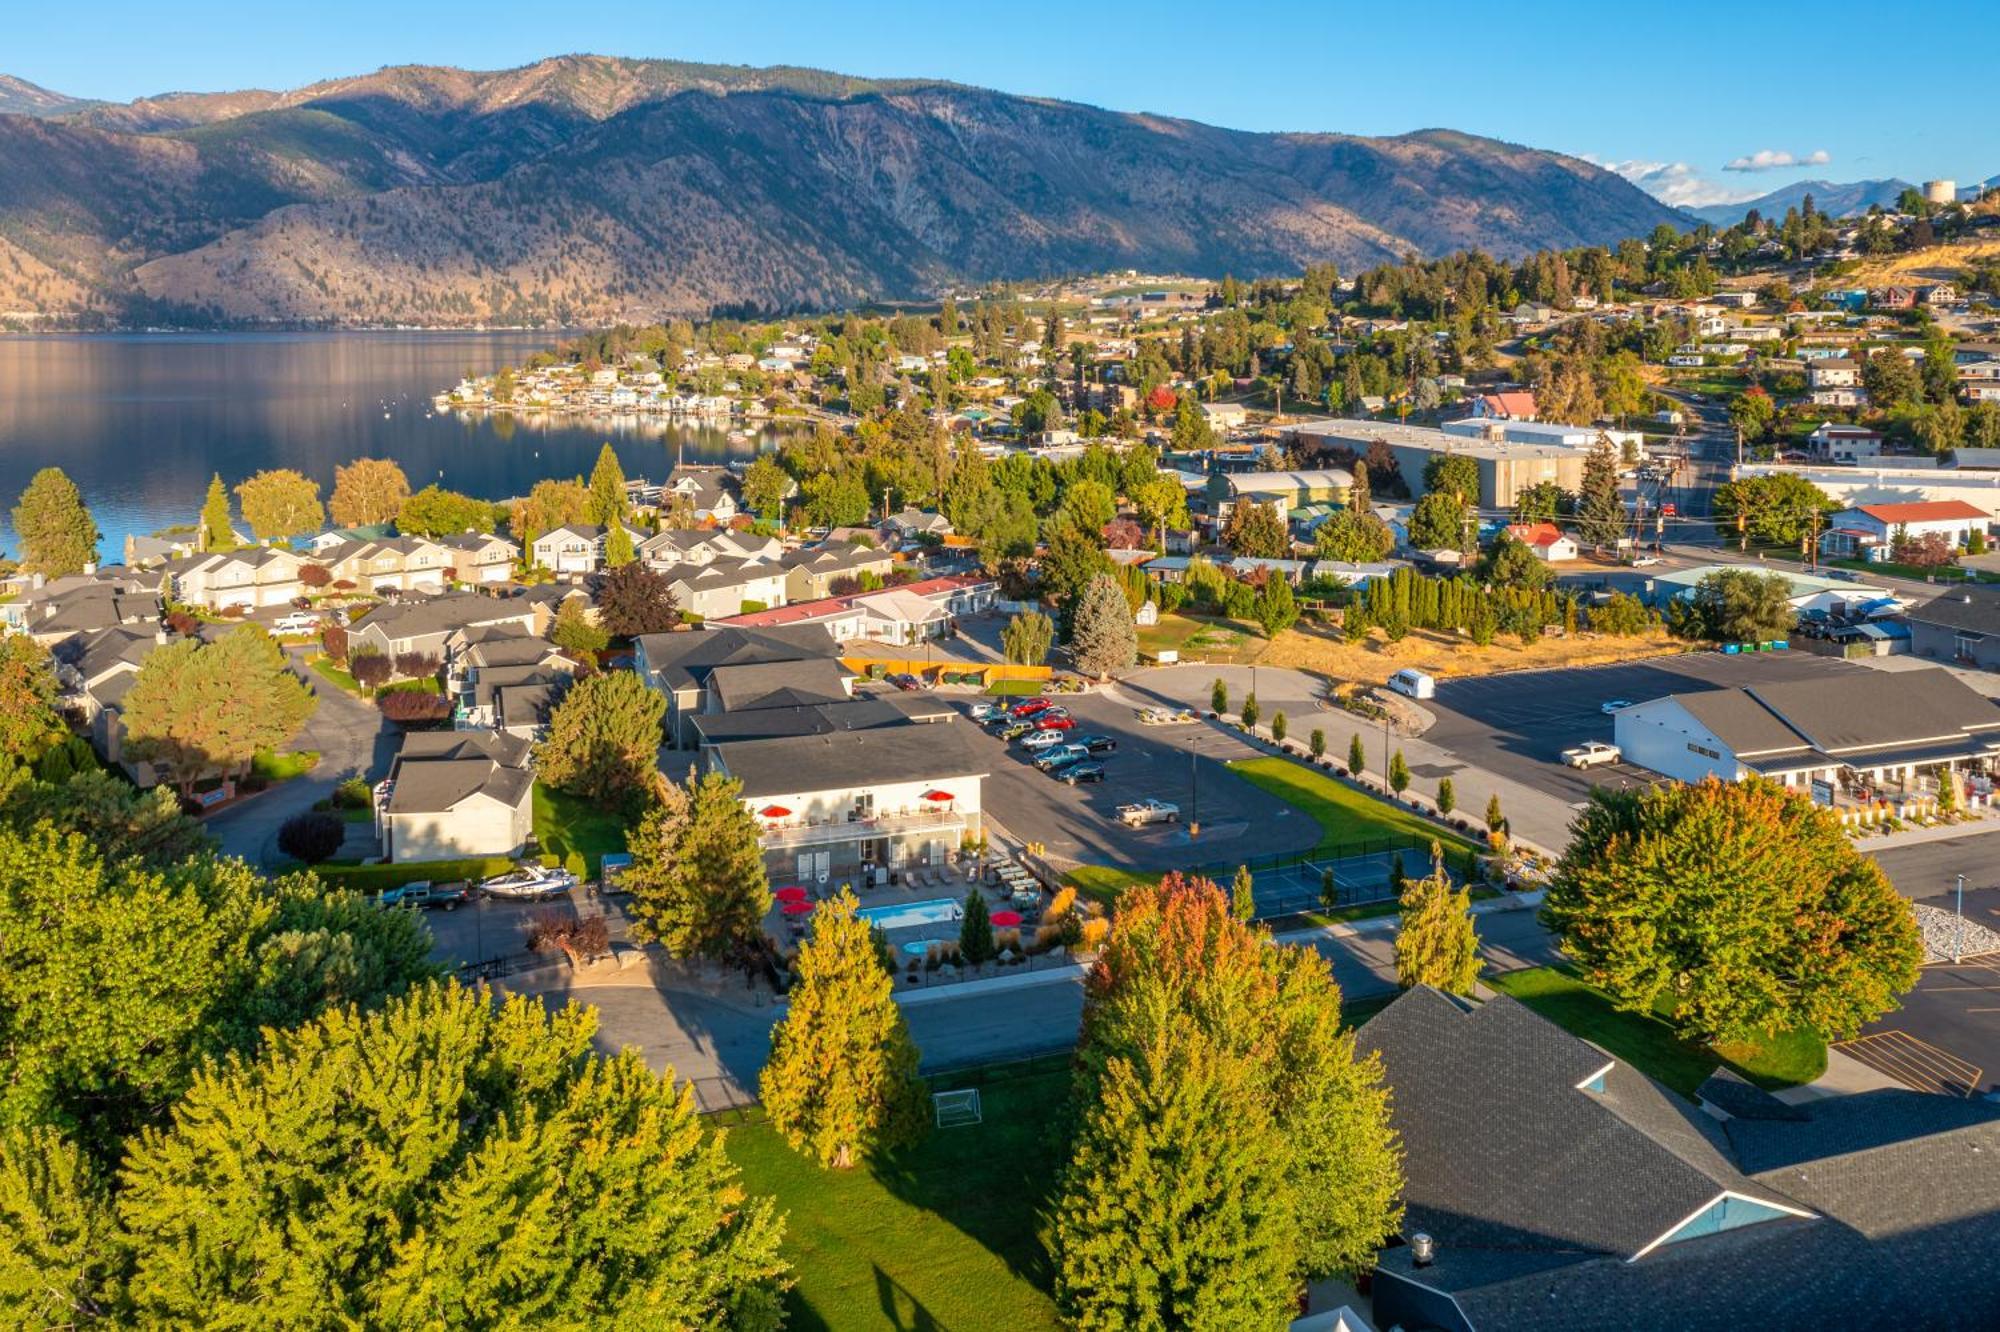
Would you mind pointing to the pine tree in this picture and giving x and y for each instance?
(1317, 744)
(1250, 711)
(215, 531)
(1600, 513)
(1436, 943)
(841, 1083)
(1357, 757)
(1399, 773)
(1243, 894)
(607, 504)
(618, 548)
(698, 881)
(1496, 821)
(1278, 726)
(1447, 799)
(1104, 639)
(1218, 696)
(57, 534)
(603, 739)
(975, 931)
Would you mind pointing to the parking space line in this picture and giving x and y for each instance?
(1915, 1063)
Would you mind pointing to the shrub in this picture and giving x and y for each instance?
(1278, 726)
(315, 575)
(416, 665)
(182, 623)
(369, 668)
(354, 793)
(345, 585)
(333, 642)
(235, 612)
(1318, 744)
(312, 836)
(413, 707)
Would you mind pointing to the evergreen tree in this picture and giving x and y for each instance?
(618, 548)
(1218, 696)
(573, 632)
(1250, 711)
(1317, 744)
(1357, 756)
(975, 931)
(603, 738)
(697, 877)
(1447, 799)
(1278, 726)
(1277, 608)
(1104, 639)
(1399, 773)
(461, 1127)
(1600, 513)
(841, 1083)
(1496, 821)
(1436, 944)
(1243, 894)
(57, 534)
(607, 505)
(215, 531)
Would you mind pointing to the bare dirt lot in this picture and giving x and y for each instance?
(1323, 650)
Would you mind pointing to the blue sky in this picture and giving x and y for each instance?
(1705, 101)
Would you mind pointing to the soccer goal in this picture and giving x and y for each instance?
(956, 1109)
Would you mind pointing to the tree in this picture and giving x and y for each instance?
(1742, 606)
(280, 502)
(573, 632)
(1027, 638)
(1496, 821)
(975, 931)
(766, 484)
(57, 534)
(1779, 508)
(552, 503)
(1752, 412)
(1277, 608)
(635, 600)
(697, 877)
(1353, 536)
(1454, 473)
(368, 491)
(1357, 756)
(1256, 531)
(1317, 744)
(1104, 639)
(1741, 909)
(1243, 894)
(312, 836)
(1436, 944)
(841, 1083)
(1088, 506)
(434, 1120)
(215, 531)
(1250, 711)
(370, 668)
(1890, 380)
(435, 511)
(1438, 522)
(198, 708)
(619, 550)
(1399, 773)
(1447, 797)
(1191, 431)
(1218, 696)
(608, 506)
(1600, 513)
(604, 738)
(1278, 726)
(29, 722)
(1512, 564)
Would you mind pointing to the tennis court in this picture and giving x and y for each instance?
(1298, 884)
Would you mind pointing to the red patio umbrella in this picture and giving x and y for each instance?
(775, 812)
(796, 908)
(1006, 918)
(791, 894)
(940, 796)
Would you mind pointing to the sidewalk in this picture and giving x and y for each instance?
(1943, 832)
(1386, 924)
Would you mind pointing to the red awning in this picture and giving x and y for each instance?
(775, 812)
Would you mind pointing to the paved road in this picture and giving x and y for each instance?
(352, 738)
(1927, 871)
(1946, 1035)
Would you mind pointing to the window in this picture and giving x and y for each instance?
(1729, 1212)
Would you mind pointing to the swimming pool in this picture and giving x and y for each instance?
(937, 911)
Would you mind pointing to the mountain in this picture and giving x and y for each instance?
(584, 189)
(18, 97)
(1830, 198)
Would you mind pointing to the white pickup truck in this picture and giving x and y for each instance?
(1143, 812)
(1593, 755)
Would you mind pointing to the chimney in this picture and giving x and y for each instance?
(1422, 1249)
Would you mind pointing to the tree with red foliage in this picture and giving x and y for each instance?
(637, 600)
(1124, 534)
(315, 575)
(1161, 399)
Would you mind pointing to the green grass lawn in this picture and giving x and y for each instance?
(942, 1235)
(1016, 688)
(565, 823)
(324, 668)
(1649, 1044)
(1347, 818)
(1202, 638)
(374, 878)
(274, 768)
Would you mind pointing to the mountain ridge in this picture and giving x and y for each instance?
(591, 189)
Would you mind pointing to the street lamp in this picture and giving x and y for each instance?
(1958, 950)
(1194, 793)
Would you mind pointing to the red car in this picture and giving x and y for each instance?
(1028, 708)
(1048, 722)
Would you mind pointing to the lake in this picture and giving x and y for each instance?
(140, 421)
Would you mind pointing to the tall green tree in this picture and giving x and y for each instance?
(1353, 536)
(1743, 606)
(1243, 894)
(216, 531)
(608, 505)
(841, 1084)
(280, 502)
(1027, 638)
(1438, 522)
(697, 879)
(604, 738)
(1740, 909)
(1399, 773)
(58, 536)
(1436, 943)
(1600, 512)
(1277, 608)
(975, 930)
(1105, 639)
(765, 486)
(435, 511)
(1357, 756)
(1256, 530)
(197, 708)
(368, 491)
(619, 550)
(526, 1179)
(29, 722)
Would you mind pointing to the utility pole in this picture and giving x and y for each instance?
(1958, 949)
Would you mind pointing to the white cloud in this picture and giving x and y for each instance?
(1675, 183)
(1773, 159)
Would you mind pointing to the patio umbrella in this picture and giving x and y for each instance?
(775, 812)
(796, 908)
(791, 894)
(941, 797)
(1006, 918)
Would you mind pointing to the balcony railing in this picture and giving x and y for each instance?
(799, 832)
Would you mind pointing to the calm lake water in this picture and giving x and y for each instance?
(140, 421)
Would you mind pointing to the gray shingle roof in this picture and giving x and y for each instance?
(436, 786)
(772, 723)
(441, 615)
(856, 759)
(1977, 609)
(1860, 710)
(684, 659)
(778, 684)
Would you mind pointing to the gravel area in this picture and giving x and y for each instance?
(1942, 938)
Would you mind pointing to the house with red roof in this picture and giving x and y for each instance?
(1545, 539)
(1506, 405)
(905, 613)
(1882, 525)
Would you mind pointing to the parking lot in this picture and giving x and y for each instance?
(1182, 765)
(1518, 725)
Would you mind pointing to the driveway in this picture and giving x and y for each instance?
(353, 739)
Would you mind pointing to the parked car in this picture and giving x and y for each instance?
(1414, 683)
(1165, 717)
(529, 882)
(443, 896)
(1096, 744)
(1077, 773)
(298, 622)
(1612, 705)
(1142, 812)
(1029, 707)
(905, 682)
(1061, 756)
(1036, 738)
(1593, 755)
(1049, 721)
(1644, 561)
(1014, 730)
(984, 712)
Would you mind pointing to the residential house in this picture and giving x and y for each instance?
(776, 720)
(423, 627)
(906, 614)
(1225, 416)
(836, 807)
(1962, 626)
(454, 795)
(253, 578)
(1844, 443)
(912, 524)
(1552, 1186)
(575, 548)
(480, 557)
(1505, 405)
(702, 493)
(679, 665)
(1546, 539)
(398, 564)
(1895, 298)
(1881, 525)
(51, 610)
(95, 669)
(810, 574)
(1834, 372)
(505, 681)
(333, 538)
(728, 587)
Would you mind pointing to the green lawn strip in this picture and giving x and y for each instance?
(1348, 819)
(1649, 1044)
(1103, 883)
(567, 824)
(1212, 637)
(1016, 688)
(940, 1235)
(332, 674)
(274, 768)
(374, 878)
